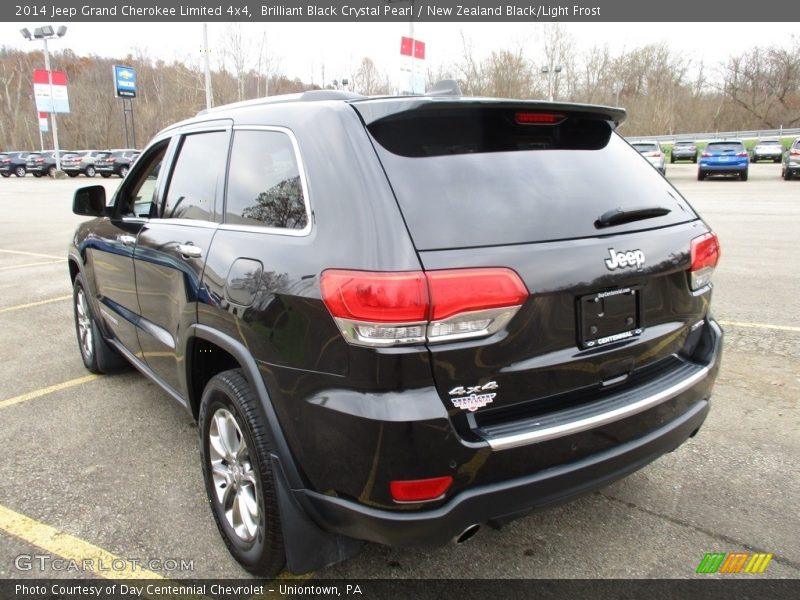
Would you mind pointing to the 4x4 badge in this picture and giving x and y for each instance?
(472, 398)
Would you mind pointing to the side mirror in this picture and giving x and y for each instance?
(90, 201)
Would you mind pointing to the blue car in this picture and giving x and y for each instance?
(728, 157)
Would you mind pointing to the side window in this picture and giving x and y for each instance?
(198, 176)
(264, 182)
(139, 197)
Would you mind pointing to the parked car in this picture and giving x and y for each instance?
(400, 355)
(768, 149)
(81, 162)
(13, 163)
(115, 162)
(683, 150)
(43, 163)
(652, 151)
(724, 157)
(791, 161)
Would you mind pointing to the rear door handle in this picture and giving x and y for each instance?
(127, 240)
(190, 251)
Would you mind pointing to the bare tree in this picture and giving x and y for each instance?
(368, 80)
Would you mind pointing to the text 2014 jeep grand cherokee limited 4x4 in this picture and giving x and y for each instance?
(397, 319)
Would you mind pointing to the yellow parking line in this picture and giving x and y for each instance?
(29, 253)
(36, 264)
(48, 390)
(71, 548)
(759, 326)
(31, 304)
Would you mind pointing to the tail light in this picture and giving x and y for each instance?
(111, 160)
(6, 160)
(388, 309)
(533, 118)
(705, 253)
(654, 154)
(794, 152)
(420, 490)
(742, 154)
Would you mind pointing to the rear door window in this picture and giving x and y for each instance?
(474, 177)
(198, 176)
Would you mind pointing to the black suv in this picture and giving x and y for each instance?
(398, 319)
(13, 163)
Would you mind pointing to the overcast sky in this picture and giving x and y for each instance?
(303, 48)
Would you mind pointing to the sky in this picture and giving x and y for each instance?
(301, 49)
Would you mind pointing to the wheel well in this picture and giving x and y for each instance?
(206, 359)
(73, 270)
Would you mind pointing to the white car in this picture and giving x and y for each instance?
(768, 148)
(652, 151)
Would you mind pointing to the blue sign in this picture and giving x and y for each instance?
(124, 82)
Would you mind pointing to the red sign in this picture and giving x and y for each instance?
(40, 76)
(410, 46)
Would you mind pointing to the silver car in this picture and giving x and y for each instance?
(791, 161)
(652, 151)
(768, 149)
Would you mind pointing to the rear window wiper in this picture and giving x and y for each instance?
(619, 216)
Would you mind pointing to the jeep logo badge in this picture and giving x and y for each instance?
(627, 258)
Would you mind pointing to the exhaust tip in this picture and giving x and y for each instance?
(468, 534)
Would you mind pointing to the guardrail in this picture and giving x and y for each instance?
(707, 137)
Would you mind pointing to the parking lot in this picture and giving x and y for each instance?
(108, 466)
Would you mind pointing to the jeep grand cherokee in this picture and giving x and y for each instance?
(397, 319)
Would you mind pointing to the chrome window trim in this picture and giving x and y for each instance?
(305, 231)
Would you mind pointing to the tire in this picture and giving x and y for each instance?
(743, 176)
(700, 175)
(97, 355)
(694, 160)
(776, 160)
(51, 172)
(240, 476)
(20, 171)
(72, 174)
(787, 174)
(90, 171)
(123, 171)
(105, 175)
(6, 174)
(671, 159)
(37, 174)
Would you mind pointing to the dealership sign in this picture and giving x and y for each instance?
(48, 102)
(124, 82)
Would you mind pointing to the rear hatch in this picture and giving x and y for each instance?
(600, 240)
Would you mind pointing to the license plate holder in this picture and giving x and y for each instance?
(610, 316)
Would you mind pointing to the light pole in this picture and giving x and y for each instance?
(551, 73)
(47, 33)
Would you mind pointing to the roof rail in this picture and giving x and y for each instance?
(318, 95)
(445, 87)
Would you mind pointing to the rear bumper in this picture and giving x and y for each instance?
(500, 500)
(724, 167)
(485, 503)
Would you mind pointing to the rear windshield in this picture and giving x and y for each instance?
(683, 144)
(469, 179)
(725, 146)
(646, 147)
(772, 142)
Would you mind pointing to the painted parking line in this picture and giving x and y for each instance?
(48, 390)
(36, 264)
(759, 326)
(32, 304)
(22, 253)
(88, 556)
